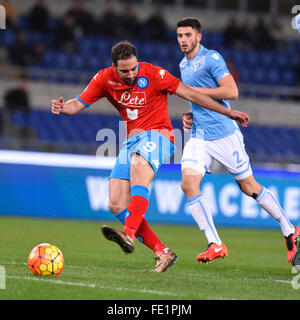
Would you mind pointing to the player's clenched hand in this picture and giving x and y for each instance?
(187, 120)
(57, 105)
(240, 116)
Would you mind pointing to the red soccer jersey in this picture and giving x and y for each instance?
(142, 105)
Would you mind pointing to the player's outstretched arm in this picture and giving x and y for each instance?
(191, 94)
(71, 107)
(227, 89)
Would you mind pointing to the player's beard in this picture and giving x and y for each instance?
(192, 47)
(129, 81)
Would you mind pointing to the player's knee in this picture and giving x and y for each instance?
(189, 189)
(184, 186)
(115, 207)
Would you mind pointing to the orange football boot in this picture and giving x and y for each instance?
(214, 251)
(291, 245)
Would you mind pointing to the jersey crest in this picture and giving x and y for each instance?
(142, 82)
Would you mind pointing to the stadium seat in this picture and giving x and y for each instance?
(289, 78)
(35, 73)
(294, 60)
(49, 59)
(274, 77)
(259, 76)
(86, 45)
(7, 38)
(267, 59)
(62, 61)
(245, 74)
(162, 50)
(282, 59)
(147, 51)
(94, 63)
(22, 22)
(77, 61)
(252, 58)
(262, 142)
(102, 46)
(94, 53)
(217, 39)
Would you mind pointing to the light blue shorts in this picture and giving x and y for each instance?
(151, 145)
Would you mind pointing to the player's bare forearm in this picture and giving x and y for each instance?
(227, 89)
(71, 107)
(220, 93)
(191, 94)
(206, 102)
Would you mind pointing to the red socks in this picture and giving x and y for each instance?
(149, 238)
(136, 209)
(135, 223)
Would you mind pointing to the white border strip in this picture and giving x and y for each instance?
(56, 159)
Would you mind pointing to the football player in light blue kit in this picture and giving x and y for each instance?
(216, 137)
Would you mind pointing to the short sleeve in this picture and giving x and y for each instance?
(217, 66)
(165, 81)
(94, 91)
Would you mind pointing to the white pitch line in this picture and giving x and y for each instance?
(284, 281)
(92, 285)
(112, 288)
(78, 284)
(13, 263)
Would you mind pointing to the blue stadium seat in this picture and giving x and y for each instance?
(262, 142)
(252, 58)
(148, 51)
(102, 46)
(162, 51)
(238, 58)
(245, 74)
(87, 45)
(282, 59)
(77, 61)
(217, 39)
(267, 59)
(22, 22)
(274, 77)
(34, 37)
(54, 76)
(62, 61)
(49, 58)
(259, 76)
(35, 73)
(20, 118)
(7, 37)
(94, 63)
(289, 78)
(294, 60)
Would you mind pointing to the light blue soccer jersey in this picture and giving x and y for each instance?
(205, 70)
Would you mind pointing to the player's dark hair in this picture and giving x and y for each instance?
(122, 51)
(190, 22)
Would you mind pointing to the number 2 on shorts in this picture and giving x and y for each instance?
(237, 155)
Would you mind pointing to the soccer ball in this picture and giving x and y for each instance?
(46, 260)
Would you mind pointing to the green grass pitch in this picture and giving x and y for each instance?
(255, 269)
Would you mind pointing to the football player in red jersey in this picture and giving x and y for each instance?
(139, 90)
